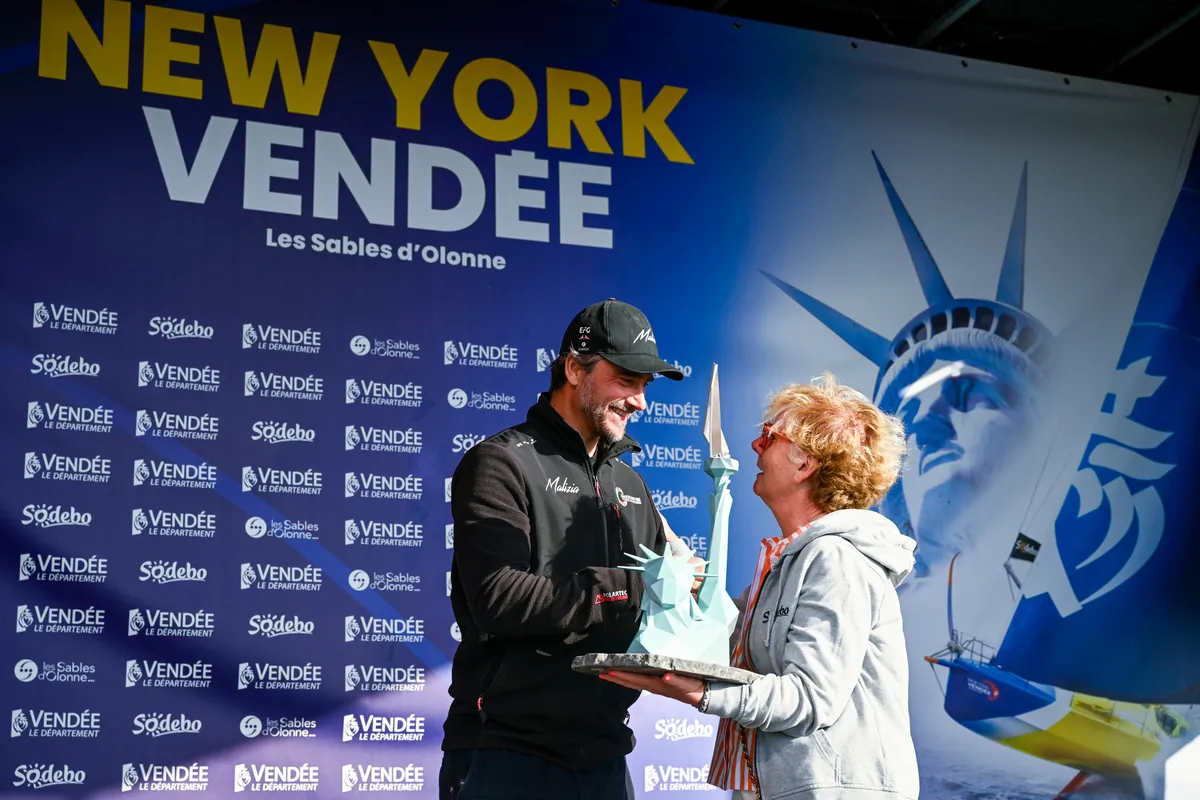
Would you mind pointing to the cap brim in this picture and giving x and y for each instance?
(644, 364)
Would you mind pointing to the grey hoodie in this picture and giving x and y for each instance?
(826, 635)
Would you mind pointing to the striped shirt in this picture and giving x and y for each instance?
(733, 755)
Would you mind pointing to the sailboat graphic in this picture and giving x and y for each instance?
(1105, 634)
(1095, 735)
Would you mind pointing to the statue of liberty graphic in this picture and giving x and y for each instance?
(977, 366)
(1096, 670)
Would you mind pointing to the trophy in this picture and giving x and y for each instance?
(680, 632)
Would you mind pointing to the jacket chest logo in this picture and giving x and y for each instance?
(626, 499)
(561, 485)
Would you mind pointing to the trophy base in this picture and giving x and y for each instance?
(650, 664)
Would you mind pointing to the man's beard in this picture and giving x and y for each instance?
(610, 432)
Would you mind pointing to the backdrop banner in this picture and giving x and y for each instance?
(271, 268)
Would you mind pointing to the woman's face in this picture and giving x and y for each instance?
(776, 476)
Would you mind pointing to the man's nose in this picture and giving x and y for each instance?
(638, 401)
(756, 445)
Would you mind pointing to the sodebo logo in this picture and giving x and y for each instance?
(44, 515)
(274, 432)
(163, 572)
(666, 500)
(675, 730)
(179, 328)
(462, 442)
(272, 625)
(54, 365)
(43, 776)
(156, 724)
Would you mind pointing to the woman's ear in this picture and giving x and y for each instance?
(806, 469)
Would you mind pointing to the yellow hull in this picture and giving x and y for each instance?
(1094, 736)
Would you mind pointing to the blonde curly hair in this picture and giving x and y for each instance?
(859, 448)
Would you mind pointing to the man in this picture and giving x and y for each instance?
(544, 513)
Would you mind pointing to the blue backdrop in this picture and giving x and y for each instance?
(270, 268)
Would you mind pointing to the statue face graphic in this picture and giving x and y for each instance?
(960, 434)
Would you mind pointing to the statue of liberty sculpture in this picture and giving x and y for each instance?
(681, 632)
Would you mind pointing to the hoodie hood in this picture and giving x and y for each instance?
(871, 533)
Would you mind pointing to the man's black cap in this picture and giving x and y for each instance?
(620, 334)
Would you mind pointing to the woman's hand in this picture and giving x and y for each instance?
(677, 687)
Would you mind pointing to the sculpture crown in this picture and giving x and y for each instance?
(668, 582)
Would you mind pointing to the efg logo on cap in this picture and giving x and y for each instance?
(620, 334)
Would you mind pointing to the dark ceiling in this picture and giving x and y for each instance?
(1152, 43)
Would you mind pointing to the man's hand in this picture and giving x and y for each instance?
(675, 542)
(698, 566)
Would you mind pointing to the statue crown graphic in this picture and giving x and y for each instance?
(1002, 321)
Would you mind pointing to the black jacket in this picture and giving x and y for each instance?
(539, 531)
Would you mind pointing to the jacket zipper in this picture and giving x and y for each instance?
(489, 676)
(608, 552)
(620, 534)
(603, 516)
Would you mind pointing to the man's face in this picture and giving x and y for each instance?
(608, 395)
(959, 434)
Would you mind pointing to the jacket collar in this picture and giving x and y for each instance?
(543, 414)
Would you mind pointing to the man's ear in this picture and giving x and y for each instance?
(573, 371)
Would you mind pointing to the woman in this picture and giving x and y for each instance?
(828, 717)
